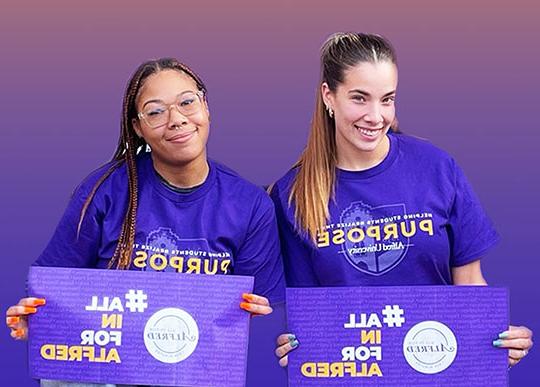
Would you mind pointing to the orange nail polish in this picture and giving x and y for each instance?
(39, 301)
(248, 296)
(12, 320)
(29, 310)
(19, 332)
(245, 306)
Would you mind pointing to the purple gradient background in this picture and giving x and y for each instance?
(468, 81)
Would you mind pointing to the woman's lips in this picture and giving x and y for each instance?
(369, 132)
(181, 137)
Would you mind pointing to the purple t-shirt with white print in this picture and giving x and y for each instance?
(406, 221)
(225, 226)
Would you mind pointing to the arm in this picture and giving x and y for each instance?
(70, 247)
(469, 274)
(295, 250)
(297, 265)
(66, 249)
(259, 256)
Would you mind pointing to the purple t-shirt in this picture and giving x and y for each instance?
(225, 226)
(406, 221)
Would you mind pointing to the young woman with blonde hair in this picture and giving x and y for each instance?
(359, 185)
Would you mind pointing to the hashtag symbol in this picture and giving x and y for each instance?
(393, 316)
(136, 301)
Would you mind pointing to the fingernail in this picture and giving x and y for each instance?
(29, 310)
(294, 343)
(39, 301)
(503, 335)
(19, 332)
(291, 338)
(245, 306)
(247, 296)
(497, 343)
(12, 320)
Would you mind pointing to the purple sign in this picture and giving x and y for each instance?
(397, 336)
(111, 326)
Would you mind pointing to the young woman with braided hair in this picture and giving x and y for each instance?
(356, 171)
(171, 209)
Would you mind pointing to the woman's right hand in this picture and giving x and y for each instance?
(17, 316)
(285, 344)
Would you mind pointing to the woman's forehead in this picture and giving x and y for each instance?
(165, 84)
(374, 76)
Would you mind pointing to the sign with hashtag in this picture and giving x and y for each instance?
(397, 336)
(130, 327)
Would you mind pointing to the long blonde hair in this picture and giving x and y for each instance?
(314, 184)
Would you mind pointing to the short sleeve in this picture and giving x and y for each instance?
(471, 232)
(66, 248)
(295, 250)
(259, 254)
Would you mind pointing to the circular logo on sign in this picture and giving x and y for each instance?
(171, 335)
(430, 347)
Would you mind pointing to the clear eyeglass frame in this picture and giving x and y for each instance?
(186, 110)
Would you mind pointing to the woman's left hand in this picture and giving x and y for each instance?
(256, 305)
(518, 340)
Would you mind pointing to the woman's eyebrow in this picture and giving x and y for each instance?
(359, 91)
(151, 101)
(161, 101)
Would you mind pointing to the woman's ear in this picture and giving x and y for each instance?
(327, 96)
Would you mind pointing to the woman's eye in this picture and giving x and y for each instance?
(389, 100)
(186, 102)
(155, 112)
(358, 98)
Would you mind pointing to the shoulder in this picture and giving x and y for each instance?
(420, 147)
(282, 187)
(110, 179)
(280, 193)
(238, 188)
(421, 153)
(103, 173)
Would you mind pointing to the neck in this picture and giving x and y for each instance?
(361, 160)
(190, 174)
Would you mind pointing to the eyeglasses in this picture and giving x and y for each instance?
(157, 114)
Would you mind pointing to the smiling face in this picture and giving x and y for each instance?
(181, 140)
(363, 106)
